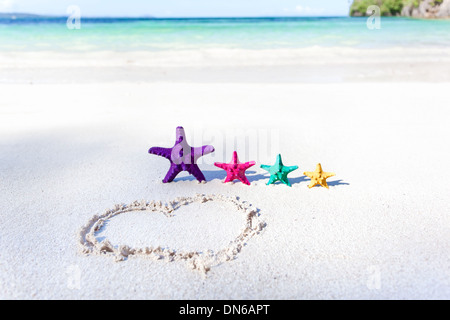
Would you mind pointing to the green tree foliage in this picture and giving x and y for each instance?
(387, 7)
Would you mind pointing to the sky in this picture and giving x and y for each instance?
(181, 8)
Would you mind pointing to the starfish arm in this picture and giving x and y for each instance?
(265, 167)
(221, 165)
(196, 172)
(309, 174)
(272, 179)
(229, 178)
(324, 184)
(312, 184)
(289, 169)
(172, 173)
(279, 162)
(162, 152)
(327, 175)
(244, 180)
(198, 152)
(249, 164)
(234, 158)
(180, 135)
(283, 178)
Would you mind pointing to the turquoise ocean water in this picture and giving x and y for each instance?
(38, 33)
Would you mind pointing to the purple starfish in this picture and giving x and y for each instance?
(182, 157)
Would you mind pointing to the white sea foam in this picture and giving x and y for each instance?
(222, 57)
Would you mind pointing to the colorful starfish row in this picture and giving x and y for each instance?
(183, 157)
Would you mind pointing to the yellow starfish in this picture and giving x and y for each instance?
(319, 177)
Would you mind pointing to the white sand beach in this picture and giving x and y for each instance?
(74, 142)
(224, 65)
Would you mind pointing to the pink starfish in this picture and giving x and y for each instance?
(235, 169)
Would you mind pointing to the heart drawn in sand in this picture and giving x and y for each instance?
(201, 260)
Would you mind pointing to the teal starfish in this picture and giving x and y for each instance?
(279, 172)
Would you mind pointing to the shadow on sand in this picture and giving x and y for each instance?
(254, 176)
(209, 175)
(330, 183)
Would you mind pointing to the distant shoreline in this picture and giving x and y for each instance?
(53, 18)
(275, 18)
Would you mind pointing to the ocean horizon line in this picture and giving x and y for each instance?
(24, 15)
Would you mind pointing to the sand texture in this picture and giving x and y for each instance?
(69, 152)
(198, 260)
